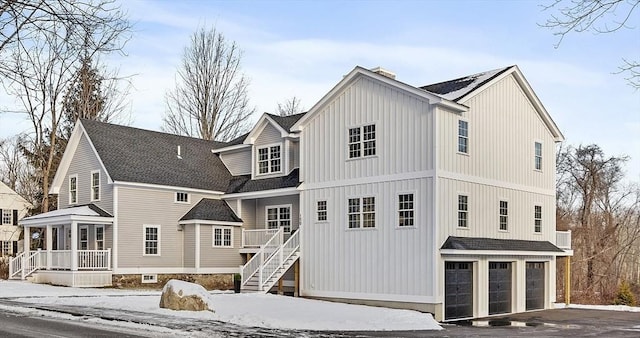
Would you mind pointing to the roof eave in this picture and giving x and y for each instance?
(230, 148)
(208, 221)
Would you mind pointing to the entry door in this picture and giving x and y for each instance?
(458, 290)
(499, 287)
(535, 285)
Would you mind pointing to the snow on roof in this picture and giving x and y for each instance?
(82, 210)
(456, 89)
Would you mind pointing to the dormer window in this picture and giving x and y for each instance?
(269, 159)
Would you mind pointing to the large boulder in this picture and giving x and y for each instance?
(180, 295)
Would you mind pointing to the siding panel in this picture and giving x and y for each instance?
(238, 162)
(211, 257)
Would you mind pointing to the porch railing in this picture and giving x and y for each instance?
(254, 265)
(563, 239)
(94, 259)
(26, 263)
(256, 238)
(15, 265)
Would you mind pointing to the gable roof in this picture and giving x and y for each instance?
(286, 122)
(7, 193)
(359, 72)
(244, 183)
(144, 156)
(211, 210)
(456, 89)
(493, 244)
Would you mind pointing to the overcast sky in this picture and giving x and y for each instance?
(303, 48)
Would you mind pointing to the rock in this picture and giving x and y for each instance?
(180, 295)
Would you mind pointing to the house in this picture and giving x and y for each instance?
(438, 198)
(12, 208)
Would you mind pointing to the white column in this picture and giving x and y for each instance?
(49, 245)
(27, 240)
(197, 229)
(74, 246)
(114, 231)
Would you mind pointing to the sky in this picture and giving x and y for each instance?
(303, 48)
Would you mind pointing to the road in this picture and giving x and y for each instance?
(23, 325)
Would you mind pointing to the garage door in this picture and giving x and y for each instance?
(535, 285)
(458, 290)
(499, 287)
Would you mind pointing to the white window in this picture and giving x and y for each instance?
(151, 240)
(95, 186)
(99, 237)
(7, 217)
(538, 155)
(149, 278)
(362, 141)
(405, 210)
(182, 197)
(222, 237)
(279, 216)
(537, 218)
(84, 238)
(463, 136)
(362, 212)
(269, 159)
(322, 211)
(73, 189)
(463, 211)
(504, 215)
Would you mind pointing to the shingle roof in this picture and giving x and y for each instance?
(244, 183)
(456, 89)
(211, 210)
(474, 243)
(286, 122)
(144, 156)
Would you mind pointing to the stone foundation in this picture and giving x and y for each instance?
(209, 282)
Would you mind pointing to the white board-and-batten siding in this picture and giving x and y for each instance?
(503, 127)
(139, 206)
(85, 161)
(367, 263)
(238, 162)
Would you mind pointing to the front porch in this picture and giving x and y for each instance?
(74, 251)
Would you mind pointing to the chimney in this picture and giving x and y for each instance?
(384, 72)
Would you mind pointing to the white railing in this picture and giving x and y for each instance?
(256, 238)
(94, 259)
(15, 265)
(563, 239)
(60, 259)
(277, 260)
(254, 265)
(32, 263)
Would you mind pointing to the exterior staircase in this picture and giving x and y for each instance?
(270, 263)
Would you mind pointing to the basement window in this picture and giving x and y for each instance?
(149, 279)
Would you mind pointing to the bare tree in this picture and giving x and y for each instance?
(210, 98)
(38, 61)
(291, 106)
(14, 169)
(600, 16)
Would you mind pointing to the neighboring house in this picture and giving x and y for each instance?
(438, 198)
(12, 209)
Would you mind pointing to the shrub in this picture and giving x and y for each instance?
(624, 296)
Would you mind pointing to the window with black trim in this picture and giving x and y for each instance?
(362, 141)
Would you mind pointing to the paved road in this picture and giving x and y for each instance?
(21, 325)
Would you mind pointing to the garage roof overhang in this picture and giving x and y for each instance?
(493, 246)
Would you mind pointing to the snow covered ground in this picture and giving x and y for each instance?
(599, 307)
(247, 309)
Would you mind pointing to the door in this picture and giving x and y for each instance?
(499, 287)
(535, 285)
(458, 290)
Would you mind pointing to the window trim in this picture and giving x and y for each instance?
(269, 169)
(153, 279)
(460, 136)
(500, 215)
(536, 219)
(96, 241)
(75, 177)
(361, 142)
(535, 155)
(80, 228)
(414, 209)
(99, 186)
(213, 236)
(2, 218)
(176, 200)
(326, 211)
(361, 212)
(458, 210)
(144, 239)
(279, 220)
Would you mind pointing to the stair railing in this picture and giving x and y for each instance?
(277, 260)
(266, 251)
